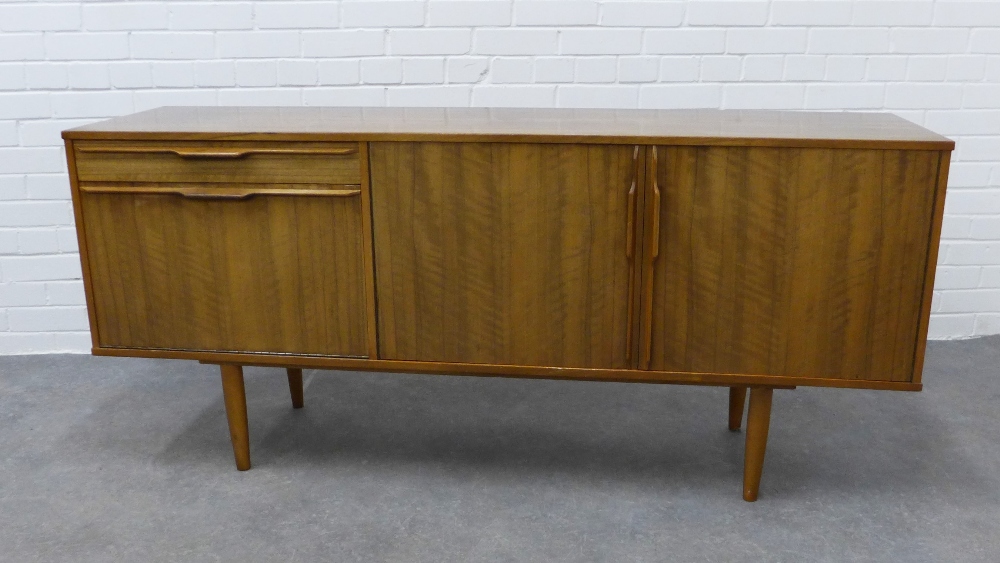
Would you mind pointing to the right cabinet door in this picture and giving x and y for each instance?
(786, 261)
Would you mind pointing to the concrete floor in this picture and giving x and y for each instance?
(129, 460)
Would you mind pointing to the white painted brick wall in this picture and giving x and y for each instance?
(66, 63)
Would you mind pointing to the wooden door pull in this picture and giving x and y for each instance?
(647, 348)
(630, 238)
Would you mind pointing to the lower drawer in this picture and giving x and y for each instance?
(258, 273)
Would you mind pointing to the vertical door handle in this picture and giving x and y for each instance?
(656, 216)
(630, 241)
(647, 349)
(630, 227)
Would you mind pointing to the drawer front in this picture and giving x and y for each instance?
(218, 162)
(259, 273)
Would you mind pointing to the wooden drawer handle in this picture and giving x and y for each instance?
(213, 154)
(217, 196)
(219, 193)
(220, 153)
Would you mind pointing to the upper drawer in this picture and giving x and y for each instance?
(231, 162)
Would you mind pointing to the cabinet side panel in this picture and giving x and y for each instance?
(502, 253)
(908, 183)
(268, 274)
(81, 241)
(944, 163)
(791, 262)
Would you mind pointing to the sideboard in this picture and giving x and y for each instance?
(750, 249)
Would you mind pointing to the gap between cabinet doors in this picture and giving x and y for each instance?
(644, 236)
(638, 247)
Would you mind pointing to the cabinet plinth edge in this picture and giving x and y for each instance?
(493, 370)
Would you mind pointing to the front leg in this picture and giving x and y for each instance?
(234, 394)
(758, 423)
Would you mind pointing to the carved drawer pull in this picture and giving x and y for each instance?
(215, 154)
(224, 196)
(221, 193)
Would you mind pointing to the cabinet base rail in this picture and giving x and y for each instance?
(758, 421)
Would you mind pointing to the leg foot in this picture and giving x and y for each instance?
(235, 397)
(737, 398)
(295, 387)
(758, 421)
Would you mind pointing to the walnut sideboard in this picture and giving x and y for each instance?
(750, 249)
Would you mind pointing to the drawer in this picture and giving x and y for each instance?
(218, 162)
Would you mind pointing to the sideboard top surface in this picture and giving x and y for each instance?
(634, 126)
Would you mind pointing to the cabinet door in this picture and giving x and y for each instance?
(503, 253)
(269, 273)
(792, 262)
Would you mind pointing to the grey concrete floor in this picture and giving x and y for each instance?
(129, 460)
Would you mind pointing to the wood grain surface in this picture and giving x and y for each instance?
(756, 247)
(265, 274)
(791, 262)
(502, 253)
(530, 125)
(228, 162)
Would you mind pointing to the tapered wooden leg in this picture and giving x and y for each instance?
(758, 421)
(295, 387)
(235, 397)
(737, 398)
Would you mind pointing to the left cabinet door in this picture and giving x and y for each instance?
(216, 268)
(504, 253)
